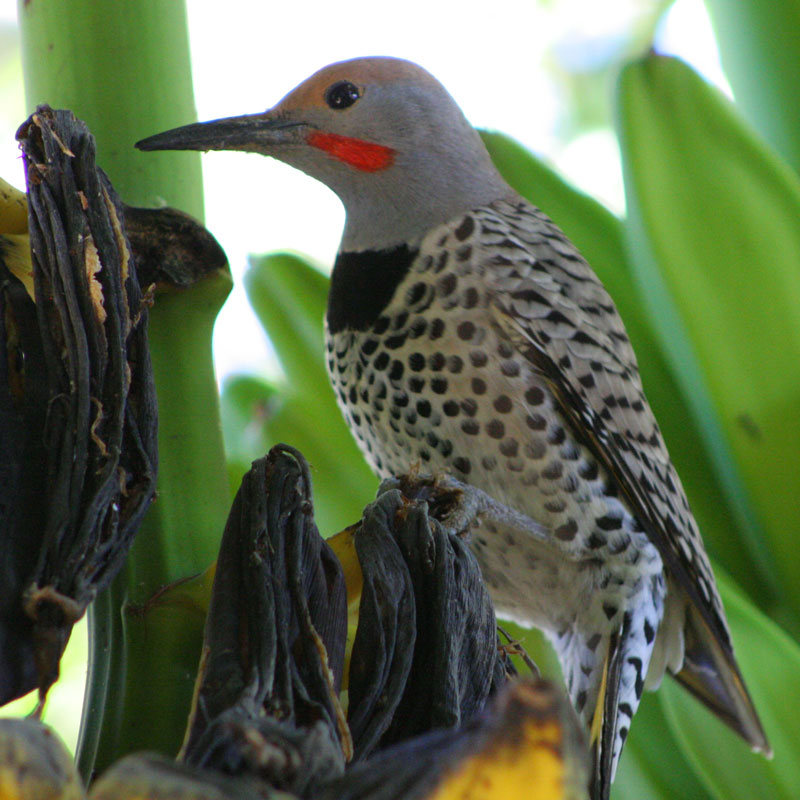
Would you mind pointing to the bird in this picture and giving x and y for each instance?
(465, 333)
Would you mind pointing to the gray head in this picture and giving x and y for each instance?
(382, 133)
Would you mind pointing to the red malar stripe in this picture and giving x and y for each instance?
(366, 156)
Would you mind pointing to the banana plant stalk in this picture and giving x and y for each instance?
(123, 67)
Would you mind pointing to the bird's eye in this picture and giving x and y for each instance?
(342, 95)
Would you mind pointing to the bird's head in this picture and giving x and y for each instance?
(381, 132)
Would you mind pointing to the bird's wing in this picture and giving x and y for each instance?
(553, 308)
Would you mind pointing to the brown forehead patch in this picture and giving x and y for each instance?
(362, 72)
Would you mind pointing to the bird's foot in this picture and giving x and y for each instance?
(514, 648)
(459, 507)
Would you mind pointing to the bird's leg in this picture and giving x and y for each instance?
(514, 648)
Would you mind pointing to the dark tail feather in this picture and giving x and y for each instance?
(710, 673)
(608, 706)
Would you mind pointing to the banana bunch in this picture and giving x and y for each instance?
(433, 708)
(15, 247)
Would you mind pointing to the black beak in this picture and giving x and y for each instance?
(251, 132)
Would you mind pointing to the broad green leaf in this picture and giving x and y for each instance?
(770, 662)
(256, 417)
(759, 45)
(725, 522)
(713, 230)
(289, 296)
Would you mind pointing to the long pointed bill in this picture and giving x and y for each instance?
(251, 132)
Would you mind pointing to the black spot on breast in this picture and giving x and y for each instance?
(363, 283)
(608, 523)
(396, 371)
(496, 429)
(446, 284)
(464, 230)
(469, 407)
(466, 330)
(470, 426)
(462, 464)
(478, 358)
(418, 327)
(416, 293)
(437, 329)
(503, 404)
(416, 361)
(567, 531)
(455, 364)
(535, 396)
(369, 347)
(451, 408)
(394, 342)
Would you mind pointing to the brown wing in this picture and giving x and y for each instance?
(555, 311)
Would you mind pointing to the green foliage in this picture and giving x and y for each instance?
(289, 297)
(714, 240)
(759, 44)
(770, 661)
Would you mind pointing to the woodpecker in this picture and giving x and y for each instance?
(465, 333)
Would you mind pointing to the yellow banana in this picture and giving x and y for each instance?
(13, 209)
(35, 763)
(344, 547)
(15, 248)
(15, 254)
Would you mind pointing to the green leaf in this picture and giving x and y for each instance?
(289, 296)
(715, 241)
(724, 520)
(256, 418)
(770, 662)
(759, 44)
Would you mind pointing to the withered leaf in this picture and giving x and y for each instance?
(267, 697)
(425, 654)
(98, 408)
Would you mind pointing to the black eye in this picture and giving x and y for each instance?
(342, 95)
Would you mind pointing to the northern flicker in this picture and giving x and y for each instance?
(466, 333)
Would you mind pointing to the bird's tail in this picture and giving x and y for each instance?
(710, 673)
(611, 718)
